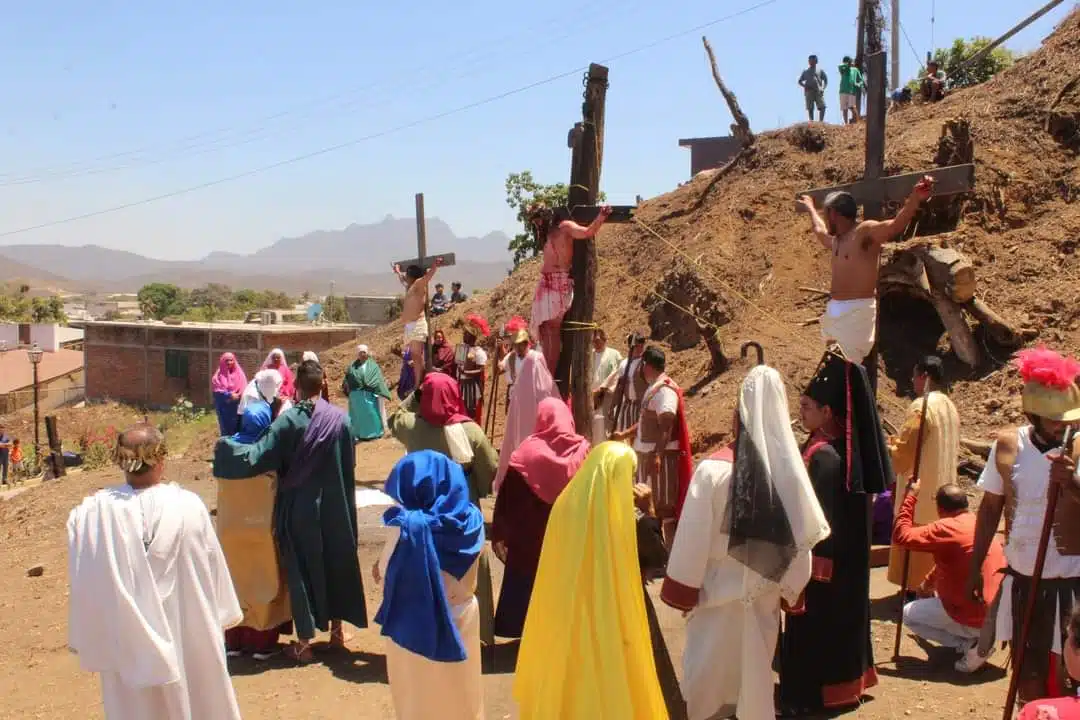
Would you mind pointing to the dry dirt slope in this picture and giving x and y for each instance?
(744, 240)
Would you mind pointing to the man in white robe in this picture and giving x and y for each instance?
(749, 522)
(150, 593)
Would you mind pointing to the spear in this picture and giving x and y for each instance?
(1036, 578)
(907, 552)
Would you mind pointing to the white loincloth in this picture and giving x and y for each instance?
(851, 324)
(416, 331)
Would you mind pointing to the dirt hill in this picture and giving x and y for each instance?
(740, 245)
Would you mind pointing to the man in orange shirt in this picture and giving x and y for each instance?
(944, 613)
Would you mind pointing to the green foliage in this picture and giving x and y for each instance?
(334, 310)
(97, 455)
(209, 303)
(949, 59)
(183, 412)
(18, 307)
(522, 190)
(162, 300)
(393, 310)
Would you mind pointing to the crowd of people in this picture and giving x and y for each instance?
(765, 545)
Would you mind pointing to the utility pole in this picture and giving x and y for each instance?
(894, 44)
(860, 47)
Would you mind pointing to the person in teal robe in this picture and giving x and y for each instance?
(310, 446)
(366, 388)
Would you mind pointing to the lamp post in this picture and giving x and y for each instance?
(35, 353)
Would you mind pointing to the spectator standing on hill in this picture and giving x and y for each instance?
(813, 81)
(851, 84)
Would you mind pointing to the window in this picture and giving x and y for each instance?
(176, 364)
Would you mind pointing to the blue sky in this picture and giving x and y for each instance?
(110, 102)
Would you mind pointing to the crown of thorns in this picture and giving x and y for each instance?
(143, 455)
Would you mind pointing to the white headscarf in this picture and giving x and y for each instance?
(309, 355)
(264, 386)
(362, 349)
(767, 453)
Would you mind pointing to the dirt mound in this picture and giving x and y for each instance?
(743, 243)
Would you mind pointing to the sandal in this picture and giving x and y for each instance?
(299, 652)
(338, 638)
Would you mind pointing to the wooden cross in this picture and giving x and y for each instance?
(424, 262)
(573, 373)
(876, 189)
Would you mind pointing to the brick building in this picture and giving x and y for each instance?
(710, 152)
(151, 364)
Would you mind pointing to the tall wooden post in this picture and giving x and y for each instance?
(860, 46)
(575, 366)
(421, 250)
(875, 168)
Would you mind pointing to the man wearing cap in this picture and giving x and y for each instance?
(1023, 465)
(850, 317)
(511, 364)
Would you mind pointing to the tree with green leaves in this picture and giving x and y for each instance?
(522, 191)
(334, 309)
(46, 311)
(950, 59)
(162, 300)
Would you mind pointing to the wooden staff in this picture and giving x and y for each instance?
(493, 398)
(1036, 578)
(907, 552)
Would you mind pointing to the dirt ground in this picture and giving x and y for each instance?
(39, 678)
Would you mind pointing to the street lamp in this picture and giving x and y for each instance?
(35, 353)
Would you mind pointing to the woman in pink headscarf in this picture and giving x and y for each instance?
(228, 384)
(276, 361)
(538, 471)
(533, 384)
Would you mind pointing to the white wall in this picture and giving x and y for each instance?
(45, 336)
(9, 335)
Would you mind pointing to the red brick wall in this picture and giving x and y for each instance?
(127, 363)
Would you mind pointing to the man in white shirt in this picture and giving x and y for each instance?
(510, 365)
(151, 594)
(1023, 465)
(662, 441)
(743, 544)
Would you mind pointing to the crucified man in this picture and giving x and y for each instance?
(850, 318)
(416, 283)
(555, 291)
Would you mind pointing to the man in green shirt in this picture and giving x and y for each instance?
(851, 84)
(813, 81)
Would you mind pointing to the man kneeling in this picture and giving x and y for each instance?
(944, 613)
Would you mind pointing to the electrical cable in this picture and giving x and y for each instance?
(383, 133)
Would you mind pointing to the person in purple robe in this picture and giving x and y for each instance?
(310, 447)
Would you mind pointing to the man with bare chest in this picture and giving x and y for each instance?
(850, 318)
(555, 291)
(416, 283)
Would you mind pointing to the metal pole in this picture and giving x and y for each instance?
(37, 420)
(894, 44)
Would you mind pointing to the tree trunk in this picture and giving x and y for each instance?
(741, 128)
(1002, 333)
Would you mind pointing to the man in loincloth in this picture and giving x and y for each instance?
(850, 318)
(1023, 465)
(416, 282)
(555, 291)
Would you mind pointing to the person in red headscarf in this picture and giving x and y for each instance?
(442, 355)
(539, 469)
(434, 418)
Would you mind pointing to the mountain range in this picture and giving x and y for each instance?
(356, 260)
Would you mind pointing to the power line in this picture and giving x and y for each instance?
(216, 140)
(373, 136)
(911, 45)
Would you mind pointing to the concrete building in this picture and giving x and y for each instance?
(151, 364)
(369, 309)
(49, 337)
(710, 152)
(60, 379)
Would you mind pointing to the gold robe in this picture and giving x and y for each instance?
(245, 527)
(941, 448)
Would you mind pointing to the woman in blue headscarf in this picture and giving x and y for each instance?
(429, 611)
(245, 528)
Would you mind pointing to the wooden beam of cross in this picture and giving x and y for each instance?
(585, 214)
(896, 188)
(425, 263)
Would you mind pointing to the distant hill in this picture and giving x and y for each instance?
(13, 273)
(357, 259)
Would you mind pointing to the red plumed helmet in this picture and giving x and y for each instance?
(477, 325)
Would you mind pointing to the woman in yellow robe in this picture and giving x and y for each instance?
(937, 466)
(585, 651)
